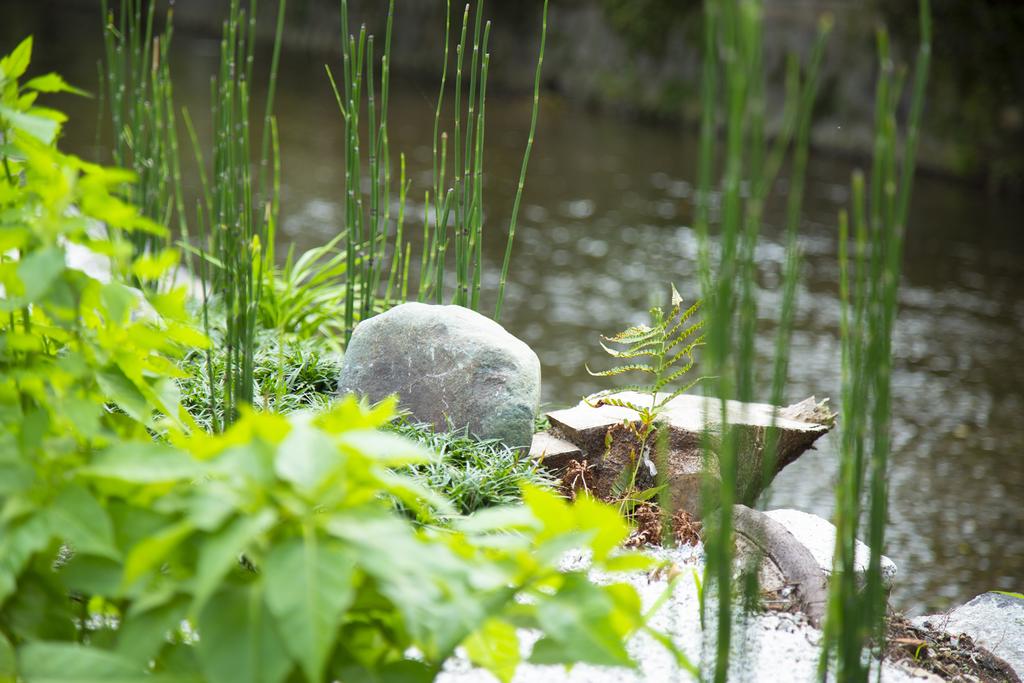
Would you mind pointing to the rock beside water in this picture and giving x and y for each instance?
(596, 428)
(995, 621)
(450, 367)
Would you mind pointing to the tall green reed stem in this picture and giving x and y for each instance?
(136, 82)
(378, 256)
(868, 292)
(237, 212)
(733, 83)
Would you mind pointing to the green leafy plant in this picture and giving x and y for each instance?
(664, 350)
(156, 558)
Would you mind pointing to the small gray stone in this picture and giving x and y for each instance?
(995, 621)
(450, 367)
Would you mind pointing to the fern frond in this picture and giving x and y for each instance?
(636, 351)
(685, 351)
(635, 367)
(679, 372)
(684, 318)
(631, 335)
(619, 403)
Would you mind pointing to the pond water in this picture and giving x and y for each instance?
(606, 225)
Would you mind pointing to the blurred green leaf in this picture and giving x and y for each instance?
(310, 584)
(83, 523)
(495, 647)
(240, 642)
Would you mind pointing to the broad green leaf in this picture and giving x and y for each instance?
(553, 511)
(239, 641)
(13, 65)
(143, 463)
(53, 662)
(390, 449)
(220, 552)
(39, 270)
(92, 575)
(52, 82)
(495, 647)
(78, 518)
(18, 543)
(504, 518)
(120, 390)
(609, 528)
(119, 300)
(40, 610)
(143, 634)
(8, 665)
(151, 551)
(579, 627)
(32, 123)
(310, 584)
(306, 457)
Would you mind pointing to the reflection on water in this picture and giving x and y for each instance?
(606, 225)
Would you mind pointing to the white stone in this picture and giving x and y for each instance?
(995, 621)
(819, 536)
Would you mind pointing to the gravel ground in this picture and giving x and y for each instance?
(776, 647)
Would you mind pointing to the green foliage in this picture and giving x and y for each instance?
(238, 208)
(289, 374)
(472, 474)
(332, 583)
(378, 254)
(85, 361)
(305, 297)
(666, 349)
(856, 616)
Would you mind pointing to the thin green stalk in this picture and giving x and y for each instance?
(514, 219)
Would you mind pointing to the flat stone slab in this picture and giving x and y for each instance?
(553, 452)
(993, 620)
(818, 535)
(596, 427)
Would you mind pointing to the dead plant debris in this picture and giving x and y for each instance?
(951, 657)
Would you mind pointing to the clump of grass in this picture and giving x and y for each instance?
(471, 473)
(289, 374)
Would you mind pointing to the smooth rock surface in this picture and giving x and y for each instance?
(993, 620)
(450, 367)
(818, 535)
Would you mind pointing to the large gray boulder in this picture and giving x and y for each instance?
(450, 367)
